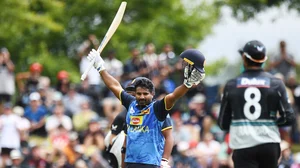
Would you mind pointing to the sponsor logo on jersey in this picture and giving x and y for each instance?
(147, 111)
(256, 82)
(136, 120)
(114, 127)
(138, 128)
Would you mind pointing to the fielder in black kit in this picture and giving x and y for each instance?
(249, 109)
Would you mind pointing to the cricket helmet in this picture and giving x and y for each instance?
(130, 87)
(255, 51)
(195, 58)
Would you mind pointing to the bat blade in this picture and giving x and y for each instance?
(112, 29)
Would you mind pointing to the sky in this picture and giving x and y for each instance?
(269, 27)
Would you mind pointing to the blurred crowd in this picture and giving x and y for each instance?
(64, 124)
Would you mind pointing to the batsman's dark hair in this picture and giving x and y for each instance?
(145, 83)
(252, 64)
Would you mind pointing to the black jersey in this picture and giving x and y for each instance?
(249, 108)
(119, 123)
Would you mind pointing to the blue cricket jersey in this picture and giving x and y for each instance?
(145, 141)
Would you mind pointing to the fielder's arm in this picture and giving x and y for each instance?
(287, 115)
(224, 118)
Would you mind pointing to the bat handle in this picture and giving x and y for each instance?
(84, 75)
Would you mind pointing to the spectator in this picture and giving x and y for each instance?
(63, 82)
(97, 161)
(61, 161)
(291, 81)
(81, 151)
(208, 151)
(87, 45)
(7, 67)
(113, 65)
(35, 158)
(72, 101)
(94, 81)
(286, 158)
(45, 91)
(224, 155)
(184, 157)
(59, 138)
(10, 137)
(94, 136)
(214, 128)
(69, 149)
(197, 109)
(58, 118)
(169, 84)
(82, 118)
(17, 159)
(296, 163)
(57, 99)
(283, 62)
(36, 114)
(167, 56)
(160, 89)
(207, 125)
(94, 97)
(183, 132)
(23, 126)
(151, 57)
(135, 66)
(27, 82)
(81, 164)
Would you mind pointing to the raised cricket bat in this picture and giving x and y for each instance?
(113, 27)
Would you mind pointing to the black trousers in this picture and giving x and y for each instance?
(138, 165)
(260, 156)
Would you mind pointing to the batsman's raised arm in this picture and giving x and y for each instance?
(108, 80)
(194, 73)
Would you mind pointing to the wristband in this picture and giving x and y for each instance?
(164, 159)
(164, 163)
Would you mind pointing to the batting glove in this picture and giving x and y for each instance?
(98, 61)
(197, 76)
(164, 163)
(192, 78)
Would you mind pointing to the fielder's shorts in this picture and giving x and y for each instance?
(260, 156)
